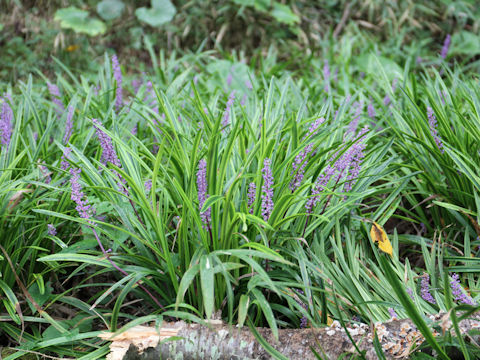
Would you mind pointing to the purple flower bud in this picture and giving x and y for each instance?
(386, 100)
(55, 94)
(267, 190)
(108, 154)
(148, 185)
(248, 84)
(228, 106)
(117, 74)
(64, 164)
(202, 191)
(84, 210)
(68, 125)
(6, 118)
(371, 111)
(244, 100)
(352, 127)
(446, 45)
(229, 79)
(314, 128)
(425, 289)
(252, 193)
(51, 230)
(458, 292)
(299, 167)
(392, 313)
(432, 122)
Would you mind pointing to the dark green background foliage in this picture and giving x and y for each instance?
(302, 29)
(266, 61)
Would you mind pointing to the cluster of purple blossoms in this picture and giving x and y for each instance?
(117, 74)
(6, 118)
(371, 111)
(392, 313)
(252, 193)
(109, 154)
(313, 128)
(228, 106)
(303, 320)
(446, 45)
(68, 125)
(432, 122)
(85, 210)
(64, 164)
(51, 230)
(151, 97)
(458, 293)
(55, 94)
(148, 185)
(267, 190)
(298, 166)
(425, 289)
(352, 127)
(202, 191)
(326, 75)
(347, 165)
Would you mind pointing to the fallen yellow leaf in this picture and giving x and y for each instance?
(379, 235)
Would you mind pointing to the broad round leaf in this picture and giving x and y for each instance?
(78, 20)
(110, 9)
(162, 12)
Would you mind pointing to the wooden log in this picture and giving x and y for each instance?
(398, 339)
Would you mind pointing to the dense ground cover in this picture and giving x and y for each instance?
(233, 187)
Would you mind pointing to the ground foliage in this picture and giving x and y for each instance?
(359, 135)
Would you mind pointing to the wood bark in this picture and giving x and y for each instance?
(398, 339)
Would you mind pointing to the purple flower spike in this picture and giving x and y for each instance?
(85, 210)
(148, 185)
(458, 292)
(318, 187)
(299, 167)
(371, 111)
(432, 122)
(109, 154)
(313, 129)
(56, 97)
(6, 118)
(68, 125)
(392, 313)
(446, 45)
(51, 230)
(425, 290)
(252, 192)
(267, 190)
(117, 74)
(228, 106)
(64, 164)
(326, 75)
(202, 192)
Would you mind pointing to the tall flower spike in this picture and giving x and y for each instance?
(117, 74)
(313, 129)
(68, 125)
(267, 190)
(458, 292)
(252, 193)
(202, 192)
(108, 154)
(425, 289)
(298, 166)
(51, 230)
(228, 106)
(432, 122)
(55, 94)
(446, 45)
(6, 118)
(64, 164)
(84, 210)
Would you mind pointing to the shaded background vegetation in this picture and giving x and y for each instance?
(303, 29)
